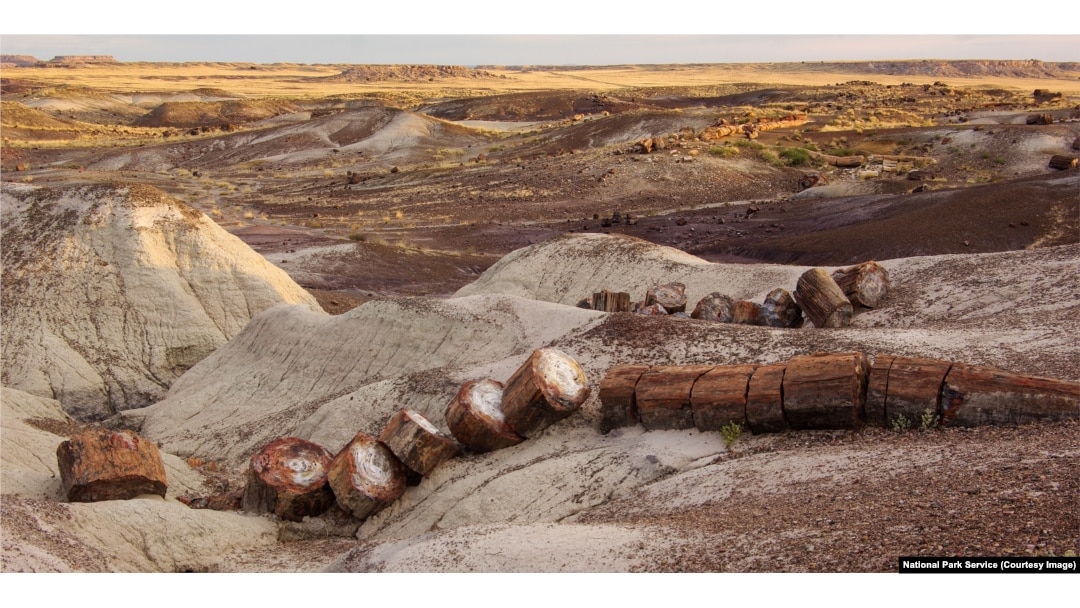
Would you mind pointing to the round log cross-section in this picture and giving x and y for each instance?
(714, 307)
(476, 419)
(366, 476)
(548, 387)
(99, 464)
(287, 477)
(417, 443)
(865, 284)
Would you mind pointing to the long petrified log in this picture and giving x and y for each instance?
(876, 389)
(618, 406)
(839, 161)
(99, 464)
(822, 300)
(663, 396)
(672, 296)
(914, 386)
(780, 309)
(865, 284)
(287, 477)
(417, 443)
(714, 307)
(826, 391)
(548, 387)
(610, 301)
(366, 477)
(765, 400)
(475, 417)
(718, 397)
(974, 395)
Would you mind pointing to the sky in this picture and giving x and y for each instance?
(551, 32)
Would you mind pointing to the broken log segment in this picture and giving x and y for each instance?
(98, 464)
(672, 296)
(548, 387)
(780, 309)
(618, 406)
(287, 477)
(746, 313)
(718, 397)
(826, 391)
(822, 300)
(366, 477)
(876, 390)
(714, 307)
(608, 301)
(914, 386)
(765, 400)
(663, 396)
(475, 417)
(1062, 162)
(417, 443)
(865, 284)
(974, 395)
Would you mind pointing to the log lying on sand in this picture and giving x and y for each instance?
(973, 395)
(746, 313)
(672, 296)
(876, 388)
(826, 391)
(366, 477)
(714, 307)
(780, 310)
(718, 397)
(417, 443)
(839, 161)
(608, 301)
(822, 300)
(548, 387)
(914, 386)
(618, 406)
(663, 396)
(99, 464)
(287, 477)
(865, 284)
(475, 417)
(1062, 162)
(765, 400)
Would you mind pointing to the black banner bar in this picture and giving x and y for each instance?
(991, 565)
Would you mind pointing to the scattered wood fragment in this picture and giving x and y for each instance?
(822, 300)
(746, 313)
(608, 301)
(865, 284)
(366, 477)
(1062, 162)
(672, 296)
(287, 477)
(475, 417)
(780, 310)
(548, 387)
(98, 464)
(417, 443)
(714, 307)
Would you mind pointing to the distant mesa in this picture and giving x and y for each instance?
(68, 59)
(409, 73)
(21, 61)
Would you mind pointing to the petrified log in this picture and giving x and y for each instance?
(608, 301)
(417, 443)
(974, 395)
(780, 309)
(366, 477)
(914, 386)
(672, 296)
(1040, 119)
(746, 313)
(714, 307)
(663, 396)
(1076, 143)
(618, 406)
(232, 500)
(821, 299)
(765, 399)
(826, 391)
(654, 310)
(811, 180)
(475, 417)
(865, 284)
(287, 477)
(920, 175)
(1062, 162)
(876, 390)
(548, 387)
(718, 397)
(99, 464)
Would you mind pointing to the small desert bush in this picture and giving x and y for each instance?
(900, 423)
(795, 157)
(724, 151)
(249, 215)
(749, 143)
(770, 157)
(928, 420)
(357, 237)
(731, 433)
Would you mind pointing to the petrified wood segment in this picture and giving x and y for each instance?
(366, 476)
(548, 387)
(974, 395)
(608, 301)
(287, 477)
(672, 296)
(618, 406)
(417, 443)
(718, 397)
(663, 396)
(865, 284)
(780, 309)
(822, 300)
(1062, 162)
(876, 389)
(765, 400)
(714, 307)
(826, 391)
(914, 387)
(475, 417)
(99, 464)
(746, 313)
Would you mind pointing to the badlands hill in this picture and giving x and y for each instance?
(112, 291)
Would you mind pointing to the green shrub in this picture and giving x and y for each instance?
(724, 151)
(770, 157)
(358, 237)
(795, 157)
(731, 433)
(928, 420)
(901, 423)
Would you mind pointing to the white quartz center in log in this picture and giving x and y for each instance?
(424, 423)
(561, 372)
(372, 468)
(487, 400)
(305, 471)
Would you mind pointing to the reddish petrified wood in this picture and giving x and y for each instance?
(653, 309)
(826, 391)
(475, 417)
(417, 443)
(548, 387)
(876, 389)
(765, 400)
(714, 307)
(672, 296)
(366, 477)
(609, 301)
(974, 395)
(865, 284)
(99, 464)
(287, 477)
(914, 387)
(780, 309)
(663, 396)
(718, 397)
(746, 313)
(618, 407)
(822, 300)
